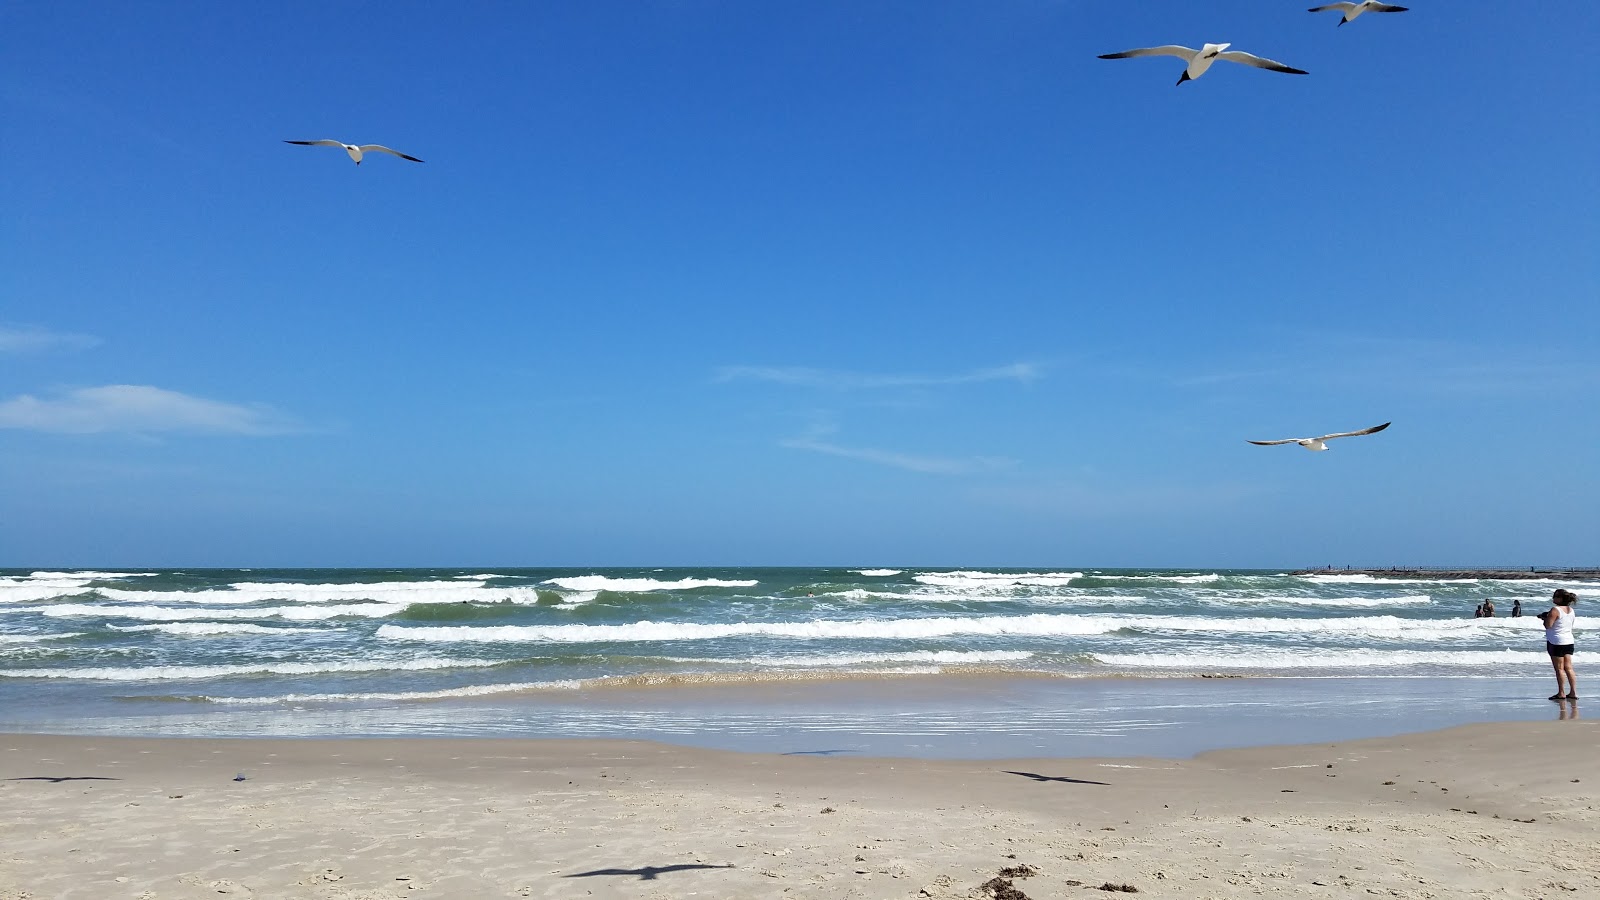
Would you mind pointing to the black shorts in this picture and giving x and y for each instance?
(1559, 650)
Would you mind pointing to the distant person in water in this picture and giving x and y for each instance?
(1488, 609)
(1559, 642)
(1477, 611)
(1516, 609)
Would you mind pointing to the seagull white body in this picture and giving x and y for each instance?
(1351, 10)
(1320, 442)
(1200, 60)
(355, 150)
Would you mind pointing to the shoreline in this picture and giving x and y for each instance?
(973, 716)
(1454, 813)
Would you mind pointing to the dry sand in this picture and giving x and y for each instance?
(1501, 810)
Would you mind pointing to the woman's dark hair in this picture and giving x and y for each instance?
(1564, 597)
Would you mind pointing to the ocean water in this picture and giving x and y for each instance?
(706, 655)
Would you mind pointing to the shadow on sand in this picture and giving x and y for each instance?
(645, 873)
(1037, 777)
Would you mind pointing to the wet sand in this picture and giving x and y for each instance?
(1504, 809)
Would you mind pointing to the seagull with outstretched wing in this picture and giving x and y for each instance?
(1320, 443)
(355, 150)
(1351, 10)
(1200, 60)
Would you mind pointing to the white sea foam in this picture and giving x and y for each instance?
(1008, 594)
(89, 575)
(1034, 625)
(939, 657)
(640, 585)
(169, 614)
(578, 598)
(164, 673)
(864, 594)
(1408, 600)
(392, 591)
(996, 579)
(14, 590)
(1178, 579)
(1363, 578)
(476, 690)
(1387, 627)
(208, 629)
(1037, 625)
(1501, 660)
(878, 573)
(36, 638)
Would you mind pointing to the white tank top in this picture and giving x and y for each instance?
(1560, 629)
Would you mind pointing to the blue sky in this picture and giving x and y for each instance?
(710, 282)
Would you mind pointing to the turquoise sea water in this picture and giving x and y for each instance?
(708, 655)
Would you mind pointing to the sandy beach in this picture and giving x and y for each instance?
(1505, 810)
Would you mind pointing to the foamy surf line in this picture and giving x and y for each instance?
(642, 585)
(215, 629)
(606, 684)
(196, 673)
(880, 714)
(996, 580)
(396, 592)
(478, 690)
(165, 613)
(1036, 625)
(1287, 660)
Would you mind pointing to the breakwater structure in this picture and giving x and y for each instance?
(1481, 573)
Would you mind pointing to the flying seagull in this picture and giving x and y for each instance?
(354, 150)
(1351, 10)
(1201, 60)
(1319, 443)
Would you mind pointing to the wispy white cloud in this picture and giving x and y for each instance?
(138, 409)
(833, 379)
(38, 340)
(929, 465)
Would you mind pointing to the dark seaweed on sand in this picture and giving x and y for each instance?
(1003, 889)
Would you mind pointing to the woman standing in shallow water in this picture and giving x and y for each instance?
(1559, 642)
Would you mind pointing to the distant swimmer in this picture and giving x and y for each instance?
(1320, 442)
(355, 150)
(1351, 10)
